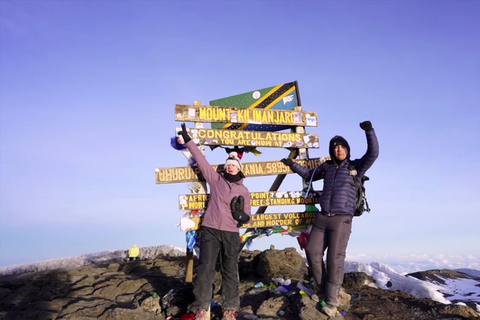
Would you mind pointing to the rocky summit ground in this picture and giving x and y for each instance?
(156, 289)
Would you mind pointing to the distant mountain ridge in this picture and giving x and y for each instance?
(439, 276)
(87, 259)
(471, 272)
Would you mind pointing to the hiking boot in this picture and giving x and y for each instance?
(229, 315)
(329, 310)
(201, 315)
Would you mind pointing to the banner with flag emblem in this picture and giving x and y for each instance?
(284, 96)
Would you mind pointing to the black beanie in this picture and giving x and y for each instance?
(338, 141)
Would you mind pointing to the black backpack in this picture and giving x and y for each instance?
(362, 203)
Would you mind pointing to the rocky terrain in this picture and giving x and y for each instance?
(155, 288)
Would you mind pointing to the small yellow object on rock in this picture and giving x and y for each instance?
(133, 252)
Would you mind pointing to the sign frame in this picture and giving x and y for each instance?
(212, 114)
(269, 139)
(270, 220)
(250, 169)
(187, 202)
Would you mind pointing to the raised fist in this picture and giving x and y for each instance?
(366, 125)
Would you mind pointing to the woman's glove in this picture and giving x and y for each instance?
(287, 161)
(184, 134)
(366, 125)
(236, 206)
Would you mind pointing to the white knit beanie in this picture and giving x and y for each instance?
(234, 159)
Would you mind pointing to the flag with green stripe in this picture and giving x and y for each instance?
(283, 97)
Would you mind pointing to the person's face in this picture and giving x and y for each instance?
(340, 152)
(232, 169)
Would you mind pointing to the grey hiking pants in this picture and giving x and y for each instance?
(332, 233)
(212, 243)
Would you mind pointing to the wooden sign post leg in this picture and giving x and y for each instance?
(201, 190)
(303, 152)
(189, 271)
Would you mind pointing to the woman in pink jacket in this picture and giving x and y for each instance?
(228, 208)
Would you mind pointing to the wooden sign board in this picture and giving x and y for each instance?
(250, 169)
(246, 115)
(257, 199)
(214, 137)
(270, 220)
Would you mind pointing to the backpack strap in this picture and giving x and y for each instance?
(310, 183)
(328, 163)
(325, 167)
(361, 194)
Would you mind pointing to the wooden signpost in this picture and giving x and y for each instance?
(217, 137)
(250, 169)
(270, 220)
(257, 199)
(211, 114)
(245, 120)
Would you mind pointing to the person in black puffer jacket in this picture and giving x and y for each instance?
(333, 224)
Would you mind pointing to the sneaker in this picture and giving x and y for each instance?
(229, 315)
(201, 315)
(329, 310)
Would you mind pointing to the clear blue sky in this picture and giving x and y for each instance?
(87, 96)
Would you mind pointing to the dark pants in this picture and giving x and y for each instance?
(332, 233)
(212, 243)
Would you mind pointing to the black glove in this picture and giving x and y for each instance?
(366, 125)
(184, 134)
(287, 161)
(236, 206)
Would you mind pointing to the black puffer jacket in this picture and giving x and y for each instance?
(339, 191)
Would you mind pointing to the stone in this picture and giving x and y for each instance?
(286, 263)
